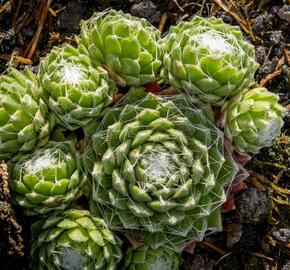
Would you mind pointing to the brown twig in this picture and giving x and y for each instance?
(272, 75)
(257, 184)
(287, 56)
(178, 5)
(162, 22)
(52, 12)
(234, 15)
(282, 202)
(202, 7)
(261, 256)
(33, 43)
(237, 15)
(16, 15)
(214, 247)
(17, 59)
(6, 5)
(268, 182)
(269, 78)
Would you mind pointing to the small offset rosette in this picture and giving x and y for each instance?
(74, 90)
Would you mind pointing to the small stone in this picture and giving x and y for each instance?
(268, 68)
(284, 13)
(146, 9)
(282, 235)
(258, 25)
(253, 206)
(260, 54)
(69, 19)
(276, 38)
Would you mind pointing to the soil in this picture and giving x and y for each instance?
(256, 231)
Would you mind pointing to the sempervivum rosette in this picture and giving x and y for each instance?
(146, 258)
(24, 119)
(208, 59)
(75, 91)
(252, 119)
(48, 179)
(74, 240)
(159, 167)
(127, 46)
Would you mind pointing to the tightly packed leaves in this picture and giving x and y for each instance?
(208, 59)
(75, 91)
(127, 46)
(73, 239)
(25, 123)
(147, 258)
(252, 119)
(49, 179)
(159, 168)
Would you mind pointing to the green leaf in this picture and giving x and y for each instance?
(139, 194)
(78, 234)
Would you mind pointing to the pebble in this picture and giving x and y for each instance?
(252, 205)
(260, 54)
(69, 19)
(284, 13)
(146, 9)
(268, 68)
(283, 235)
(276, 37)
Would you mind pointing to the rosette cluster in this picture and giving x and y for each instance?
(25, 122)
(127, 46)
(252, 119)
(208, 59)
(49, 179)
(158, 166)
(75, 91)
(74, 239)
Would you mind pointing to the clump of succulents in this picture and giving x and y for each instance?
(25, 122)
(48, 179)
(208, 59)
(127, 46)
(159, 167)
(75, 91)
(147, 258)
(252, 119)
(156, 165)
(74, 239)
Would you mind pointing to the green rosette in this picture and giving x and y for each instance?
(25, 122)
(75, 91)
(208, 59)
(127, 46)
(48, 179)
(252, 119)
(74, 240)
(158, 168)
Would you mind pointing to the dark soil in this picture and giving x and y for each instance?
(257, 234)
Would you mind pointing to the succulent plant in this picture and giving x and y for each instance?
(158, 166)
(127, 46)
(75, 91)
(48, 179)
(147, 258)
(74, 240)
(24, 119)
(252, 119)
(208, 59)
